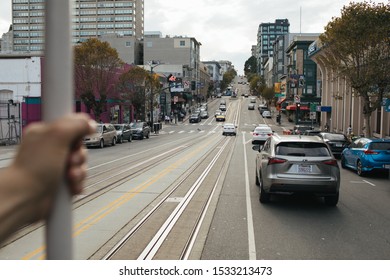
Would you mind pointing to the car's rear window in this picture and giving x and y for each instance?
(263, 129)
(302, 149)
(383, 146)
(339, 137)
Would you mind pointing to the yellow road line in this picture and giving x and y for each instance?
(114, 205)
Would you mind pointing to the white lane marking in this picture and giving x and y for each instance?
(251, 232)
(369, 183)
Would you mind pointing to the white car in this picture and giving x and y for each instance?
(261, 134)
(266, 114)
(229, 129)
(222, 107)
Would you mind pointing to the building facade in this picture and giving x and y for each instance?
(91, 19)
(214, 71)
(266, 36)
(302, 94)
(179, 51)
(341, 106)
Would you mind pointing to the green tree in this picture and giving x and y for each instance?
(96, 71)
(131, 86)
(136, 86)
(227, 78)
(268, 94)
(250, 66)
(357, 46)
(256, 84)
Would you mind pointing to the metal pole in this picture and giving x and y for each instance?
(57, 101)
(151, 100)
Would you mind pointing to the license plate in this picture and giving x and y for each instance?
(304, 169)
(387, 166)
(339, 145)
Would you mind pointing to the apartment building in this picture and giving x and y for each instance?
(91, 19)
(266, 36)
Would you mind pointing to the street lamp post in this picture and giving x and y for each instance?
(156, 63)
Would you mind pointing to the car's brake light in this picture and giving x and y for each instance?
(370, 152)
(255, 134)
(273, 160)
(330, 162)
(269, 134)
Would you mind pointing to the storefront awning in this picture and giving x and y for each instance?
(294, 107)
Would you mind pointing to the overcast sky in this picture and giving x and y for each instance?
(226, 28)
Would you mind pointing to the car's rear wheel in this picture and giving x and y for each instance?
(101, 145)
(343, 162)
(120, 139)
(264, 197)
(130, 138)
(257, 179)
(113, 142)
(331, 200)
(359, 168)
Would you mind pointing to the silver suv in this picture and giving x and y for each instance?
(289, 164)
(105, 135)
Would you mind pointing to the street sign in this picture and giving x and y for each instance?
(387, 106)
(297, 99)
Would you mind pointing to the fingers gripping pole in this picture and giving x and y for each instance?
(57, 99)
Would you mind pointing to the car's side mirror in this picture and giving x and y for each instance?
(257, 148)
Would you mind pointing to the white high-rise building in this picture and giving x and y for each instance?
(91, 19)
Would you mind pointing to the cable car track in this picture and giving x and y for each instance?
(159, 237)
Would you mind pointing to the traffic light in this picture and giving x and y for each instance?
(193, 85)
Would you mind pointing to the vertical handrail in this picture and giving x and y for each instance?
(57, 99)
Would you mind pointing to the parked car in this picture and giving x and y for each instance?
(105, 135)
(195, 118)
(366, 155)
(266, 114)
(301, 128)
(289, 164)
(261, 134)
(123, 132)
(336, 141)
(140, 130)
(251, 106)
(229, 129)
(204, 115)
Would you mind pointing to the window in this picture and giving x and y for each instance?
(302, 149)
(182, 43)
(128, 44)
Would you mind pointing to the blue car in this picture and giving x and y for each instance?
(366, 155)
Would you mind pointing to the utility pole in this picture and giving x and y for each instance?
(156, 63)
